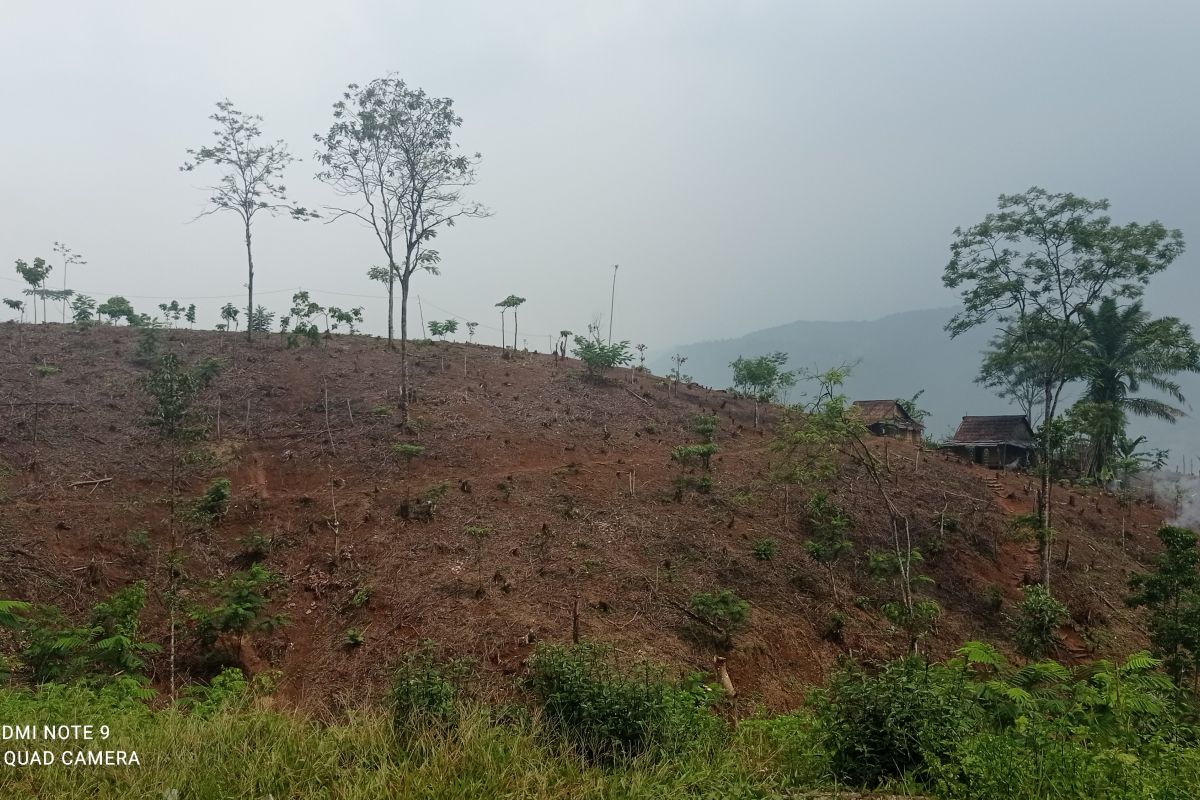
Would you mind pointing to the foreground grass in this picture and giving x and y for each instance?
(257, 753)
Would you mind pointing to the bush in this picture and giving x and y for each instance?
(241, 606)
(908, 718)
(1038, 617)
(609, 715)
(689, 454)
(722, 614)
(426, 689)
(765, 549)
(408, 451)
(214, 503)
(598, 356)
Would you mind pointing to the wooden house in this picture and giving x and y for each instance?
(1000, 442)
(888, 418)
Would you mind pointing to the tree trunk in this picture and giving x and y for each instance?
(249, 288)
(516, 341)
(1047, 545)
(503, 332)
(404, 390)
(391, 301)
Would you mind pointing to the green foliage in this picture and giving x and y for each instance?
(598, 356)
(228, 690)
(1172, 595)
(214, 503)
(255, 545)
(689, 454)
(610, 715)
(354, 637)
(829, 542)
(229, 313)
(763, 378)
(1038, 617)
(765, 549)
(262, 320)
(241, 606)
(83, 308)
(443, 329)
(171, 389)
(906, 719)
(408, 451)
(705, 426)
(912, 409)
(426, 689)
(722, 614)
(116, 308)
(361, 596)
(107, 648)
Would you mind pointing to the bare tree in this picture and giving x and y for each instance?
(251, 181)
(390, 151)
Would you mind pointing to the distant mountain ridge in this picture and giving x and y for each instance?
(897, 356)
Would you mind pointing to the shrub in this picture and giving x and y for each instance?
(241, 606)
(1037, 621)
(765, 549)
(408, 451)
(722, 614)
(689, 454)
(255, 544)
(705, 426)
(426, 689)
(608, 714)
(353, 638)
(214, 503)
(598, 356)
(909, 717)
(228, 689)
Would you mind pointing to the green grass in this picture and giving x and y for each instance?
(253, 752)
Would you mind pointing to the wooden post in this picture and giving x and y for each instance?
(575, 621)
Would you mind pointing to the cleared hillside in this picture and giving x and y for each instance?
(571, 479)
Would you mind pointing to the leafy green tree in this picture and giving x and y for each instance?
(471, 326)
(1172, 595)
(1038, 618)
(391, 152)
(251, 178)
(241, 606)
(116, 308)
(348, 317)
(763, 379)
(16, 305)
(443, 329)
(912, 409)
(171, 311)
(229, 313)
(513, 302)
(817, 442)
(261, 320)
(35, 275)
(83, 308)
(1033, 267)
(304, 310)
(69, 259)
(190, 315)
(676, 374)
(829, 525)
(1123, 349)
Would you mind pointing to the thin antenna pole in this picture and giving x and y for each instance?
(612, 303)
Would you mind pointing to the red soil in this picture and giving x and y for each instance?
(541, 458)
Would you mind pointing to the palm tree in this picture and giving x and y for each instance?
(1125, 349)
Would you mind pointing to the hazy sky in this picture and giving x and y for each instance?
(746, 163)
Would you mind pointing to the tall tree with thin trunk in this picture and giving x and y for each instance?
(251, 180)
(1034, 267)
(391, 153)
(513, 302)
(69, 258)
